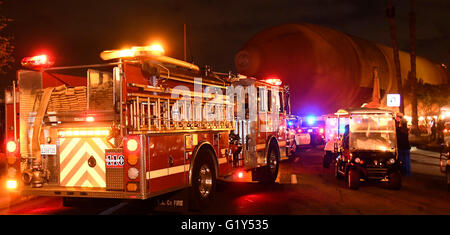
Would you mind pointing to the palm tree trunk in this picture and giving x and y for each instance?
(412, 38)
(391, 19)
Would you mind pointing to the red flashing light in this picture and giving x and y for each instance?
(240, 175)
(299, 130)
(90, 119)
(445, 130)
(37, 61)
(11, 146)
(274, 81)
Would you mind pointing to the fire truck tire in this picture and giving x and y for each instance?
(395, 180)
(353, 179)
(203, 186)
(273, 161)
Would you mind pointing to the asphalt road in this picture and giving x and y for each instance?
(303, 187)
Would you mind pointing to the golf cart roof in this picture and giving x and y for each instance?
(370, 111)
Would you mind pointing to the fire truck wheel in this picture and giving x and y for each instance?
(203, 181)
(353, 179)
(273, 160)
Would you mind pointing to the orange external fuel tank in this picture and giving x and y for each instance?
(327, 69)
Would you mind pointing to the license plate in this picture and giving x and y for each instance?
(48, 149)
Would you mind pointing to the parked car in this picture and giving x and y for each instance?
(315, 129)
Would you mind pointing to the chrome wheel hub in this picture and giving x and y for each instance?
(205, 181)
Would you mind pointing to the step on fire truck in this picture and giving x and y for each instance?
(139, 126)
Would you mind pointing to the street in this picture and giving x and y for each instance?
(303, 187)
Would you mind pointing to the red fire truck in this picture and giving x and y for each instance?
(139, 126)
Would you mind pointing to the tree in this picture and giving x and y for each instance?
(391, 19)
(6, 46)
(413, 77)
(432, 96)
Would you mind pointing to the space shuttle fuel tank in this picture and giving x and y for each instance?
(327, 69)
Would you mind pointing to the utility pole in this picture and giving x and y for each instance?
(413, 77)
(391, 19)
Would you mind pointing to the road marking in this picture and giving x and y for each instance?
(293, 179)
(111, 210)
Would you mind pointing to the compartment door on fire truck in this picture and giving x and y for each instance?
(82, 161)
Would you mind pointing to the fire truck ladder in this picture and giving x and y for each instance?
(161, 112)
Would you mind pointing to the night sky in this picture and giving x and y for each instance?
(75, 32)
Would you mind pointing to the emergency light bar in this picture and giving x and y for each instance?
(155, 52)
(37, 61)
(274, 81)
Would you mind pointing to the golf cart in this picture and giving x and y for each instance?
(334, 129)
(372, 149)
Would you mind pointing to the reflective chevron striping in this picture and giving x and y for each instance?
(74, 168)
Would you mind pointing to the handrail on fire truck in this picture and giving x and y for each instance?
(152, 113)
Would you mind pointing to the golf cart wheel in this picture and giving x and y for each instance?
(443, 162)
(327, 160)
(395, 180)
(448, 178)
(353, 179)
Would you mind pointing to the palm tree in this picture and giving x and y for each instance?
(413, 79)
(391, 19)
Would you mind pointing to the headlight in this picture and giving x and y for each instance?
(133, 173)
(391, 161)
(357, 160)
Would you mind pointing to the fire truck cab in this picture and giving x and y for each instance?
(140, 126)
